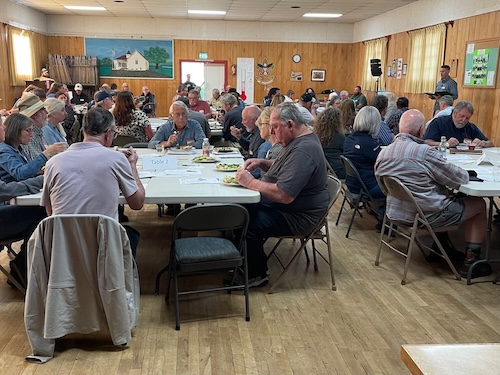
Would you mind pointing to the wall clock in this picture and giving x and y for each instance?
(296, 58)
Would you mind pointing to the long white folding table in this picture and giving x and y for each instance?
(190, 183)
(488, 188)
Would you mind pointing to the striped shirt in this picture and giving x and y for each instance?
(423, 171)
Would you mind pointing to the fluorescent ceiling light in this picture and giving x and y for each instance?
(322, 15)
(79, 7)
(208, 12)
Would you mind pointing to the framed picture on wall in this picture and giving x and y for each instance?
(318, 75)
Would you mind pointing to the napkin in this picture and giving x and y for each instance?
(201, 180)
(483, 160)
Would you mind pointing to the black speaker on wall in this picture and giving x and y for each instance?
(375, 67)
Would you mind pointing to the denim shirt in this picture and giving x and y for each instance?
(15, 165)
(192, 131)
(52, 134)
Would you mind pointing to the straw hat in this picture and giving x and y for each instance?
(29, 104)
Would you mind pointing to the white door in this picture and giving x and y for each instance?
(214, 79)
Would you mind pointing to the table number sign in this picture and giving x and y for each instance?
(159, 163)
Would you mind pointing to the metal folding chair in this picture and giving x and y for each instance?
(7, 242)
(359, 200)
(320, 232)
(395, 188)
(208, 253)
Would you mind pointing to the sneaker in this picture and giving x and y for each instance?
(481, 269)
(253, 282)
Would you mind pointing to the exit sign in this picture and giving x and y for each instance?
(203, 55)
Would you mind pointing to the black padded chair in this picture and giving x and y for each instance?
(208, 253)
(394, 187)
(359, 200)
(320, 232)
(150, 109)
(122, 140)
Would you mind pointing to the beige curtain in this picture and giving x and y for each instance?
(374, 49)
(426, 56)
(21, 56)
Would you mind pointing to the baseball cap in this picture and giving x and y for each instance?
(78, 86)
(44, 70)
(306, 98)
(101, 95)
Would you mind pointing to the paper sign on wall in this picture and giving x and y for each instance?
(159, 163)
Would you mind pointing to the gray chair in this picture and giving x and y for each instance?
(122, 140)
(7, 243)
(363, 199)
(150, 109)
(320, 232)
(208, 252)
(395, 188)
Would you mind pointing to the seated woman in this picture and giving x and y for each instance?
(362, 150)
(53, 131)
(329, 129)
(270, 148)
(70, 118)
(348, 110)
(14, 162)
(129, 120)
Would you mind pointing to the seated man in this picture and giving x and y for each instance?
(198, 105)
(456, 128)
(79, 97)
(214, 101)
(294, 189)
(445, 108)
(93, 163)
(197, 116)
(427, 175)
(392, 121)
(149, 98)
(249, 139)
(232, 118)
(307, 109)
(180, 131)
(385, 136)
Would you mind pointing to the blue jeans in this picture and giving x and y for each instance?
(265, 222)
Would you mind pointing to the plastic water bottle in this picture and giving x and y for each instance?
(205, 148)
(442, 147)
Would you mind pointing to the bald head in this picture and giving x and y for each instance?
(249, 116)
(412, 122)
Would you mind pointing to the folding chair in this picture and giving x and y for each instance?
(7, 242)
(208, 253)
(355, 200)
(122, 140)
(150, 109)
(395, 188)
(320, 232)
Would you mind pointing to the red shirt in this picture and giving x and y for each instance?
(202, 106)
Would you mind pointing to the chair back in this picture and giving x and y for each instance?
(395, 188)
(136, 145)
(334, 187)
(211, 217)
(151, 108)
(352, 171)
(122, 140)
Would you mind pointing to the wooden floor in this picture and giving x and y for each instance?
(306, 328)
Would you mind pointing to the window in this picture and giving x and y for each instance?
(21, 56)
(426, 56)
(374, 49)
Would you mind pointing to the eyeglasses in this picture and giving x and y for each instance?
(115, 133)
(28, 130)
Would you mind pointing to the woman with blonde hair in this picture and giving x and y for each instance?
(129, 120)
(391, 104)
(270, 148)
(329, 129)
(277, 100)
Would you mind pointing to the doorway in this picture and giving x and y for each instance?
(207, 74)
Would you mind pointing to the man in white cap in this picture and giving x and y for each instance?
(78, 96)
(31, 106)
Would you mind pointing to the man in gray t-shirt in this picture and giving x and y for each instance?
(293, 189)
